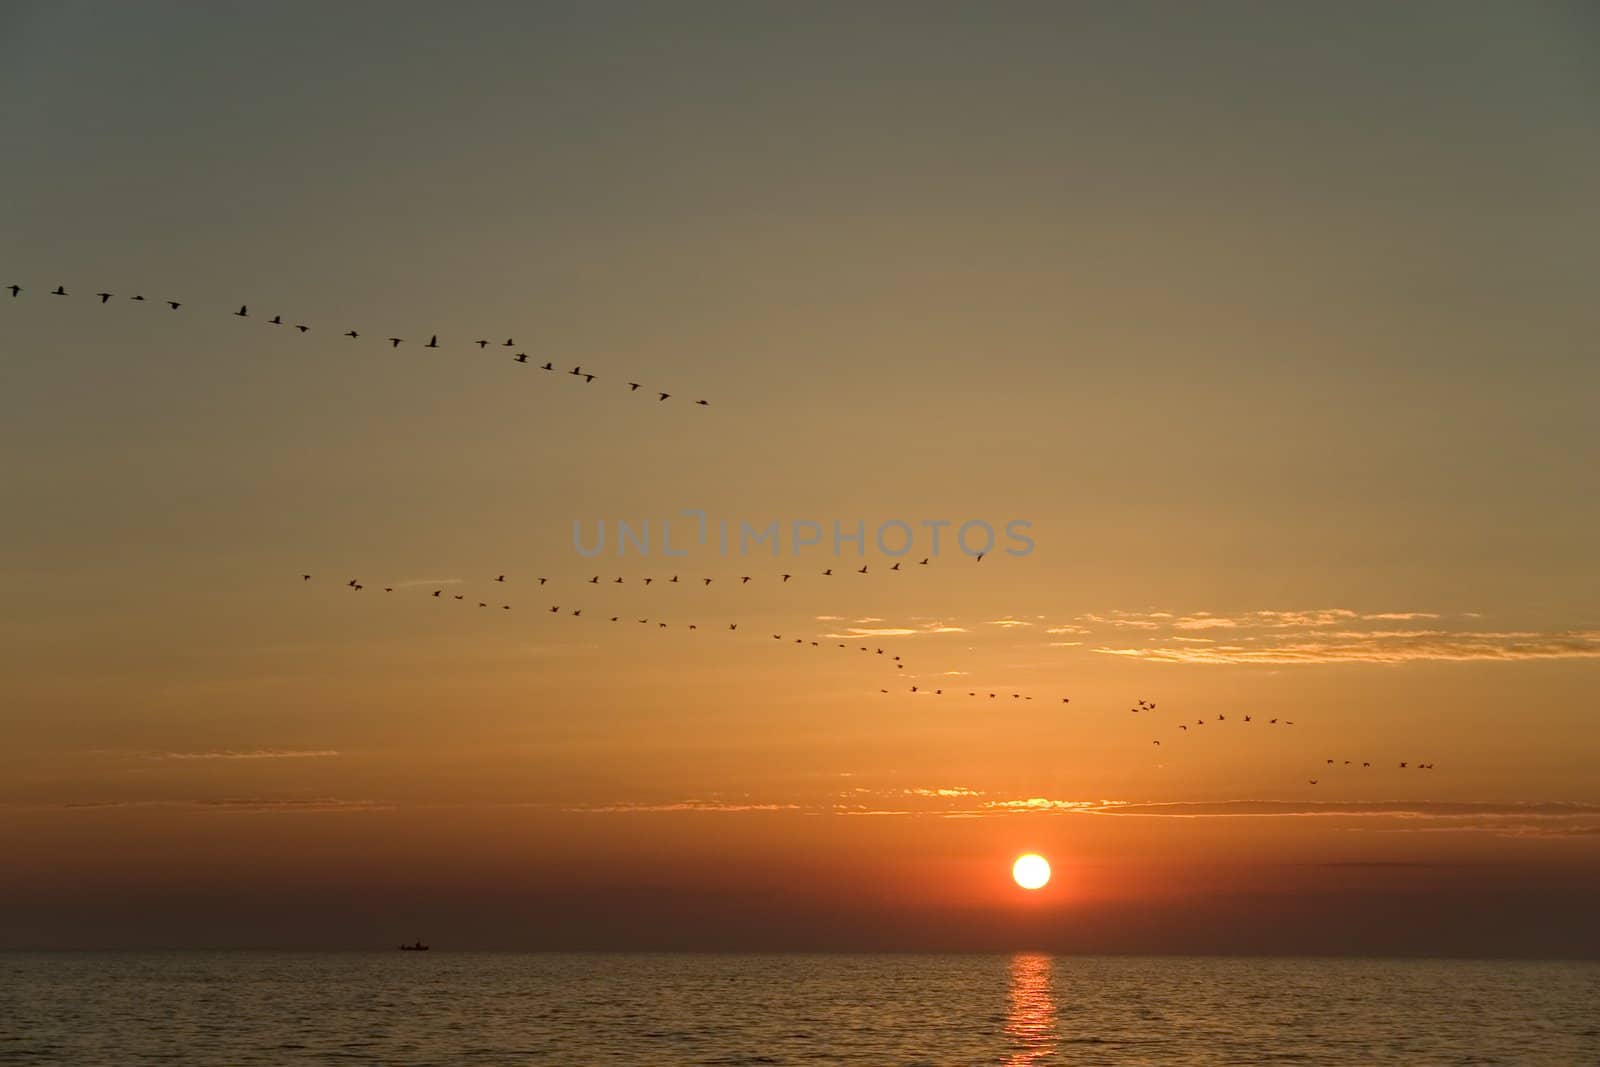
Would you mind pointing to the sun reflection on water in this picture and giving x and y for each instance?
(1031, 1021)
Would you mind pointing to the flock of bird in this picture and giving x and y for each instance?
(1141, 706)
(588, 376)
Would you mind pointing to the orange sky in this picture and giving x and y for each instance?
(1269, 323)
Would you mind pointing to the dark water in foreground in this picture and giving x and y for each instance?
(446, 1008)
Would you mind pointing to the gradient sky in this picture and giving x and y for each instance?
(1277, 324)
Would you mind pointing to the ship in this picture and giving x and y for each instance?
(418, 947)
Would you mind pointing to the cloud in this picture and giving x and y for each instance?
(1385, 647)
(1066, 630)
(253, 754)
(856, 631)
(1008, 624)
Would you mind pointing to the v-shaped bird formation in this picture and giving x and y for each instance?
(587, 375)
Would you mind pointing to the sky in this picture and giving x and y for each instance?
(1273, 324)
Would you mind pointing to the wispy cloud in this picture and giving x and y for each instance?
(253, 754)
(1384, 647)
(1008, 624)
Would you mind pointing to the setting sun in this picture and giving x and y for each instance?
(1031, 871)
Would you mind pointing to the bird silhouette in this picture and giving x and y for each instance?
(59, 290)
(15, 289)
(980, 557)
(595, 580)
(1313, 781)
(500, 578)
(351, 333)
(633, 387)
(508, 343)
(104, 297)
(733, 626)
(663, 396)
(587, 377)
(138, 297)
(543, 580)
(276, 320)
(547, 366)
(924, 563)
(433, 342)
(745, 580)
(481, 344)
(436, 592)
(828, 573)
(703, 403)
(706, 580)
(863, 569)
(305, 577)
(395, 341)
(895, 567)
(244, 311)
(521, 357)
(173, 304)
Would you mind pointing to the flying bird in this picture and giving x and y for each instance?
(15, 289)
(543, 580)
(863, 569)
(481, 344)
(663, 396)
(173, 304)
(395, 341)
(351, 333)
(276, 320)
(501, 578)
(305, 577)
(59, 290)
(706, 580)
(547, 366)
(436, 592)
(103, 297)
(521, 357)
(703, 403)
(745, 580)
(244, 311)
(895, 567)
(508, 343)
(633, 387)
(980, 557)
(433, 342)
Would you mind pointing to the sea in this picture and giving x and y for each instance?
(440, 1007)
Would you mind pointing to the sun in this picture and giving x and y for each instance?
(1031, 871)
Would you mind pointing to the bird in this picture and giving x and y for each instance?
(924, 563)
(588, 378)
(1330, 763)
(351, 333)
(617, 581)
(1066, 700)
(745, 580)
(136, 296)
(103, 297)
(395, 341)
(463, 598)
(15, 289)
(863, 569)
(543, 580)
(576, 612)
(614, 618)
(508, 343)
(433, 342)
(576, 371)
(980, 557)
(691, 626)
(305, 577)
(521, 357)
(663, 396)
(501, 578)
(388, 589)
(276, 320)
(351, 583)
(555, 609)
(1182, 727)
(481, 604)
(647, 581)
(1155, 742)
(244, 311)
(786, 577)
(633, 387)
(436, 592)
(595, 580)
(703, 403)
(302, 328)
(547, 366)
(1365, 764)
(673, 579)
(173, 304)
(59, 290)
(481, 344)
(777, 637)
(1247, 718)
(895, 567)
(1402, 764)
(1313, 781)
(733, 626)
(828, 573)
(706, 580)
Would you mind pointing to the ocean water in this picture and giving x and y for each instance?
(94, 1009)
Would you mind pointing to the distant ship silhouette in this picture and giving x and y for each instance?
(418, 947)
